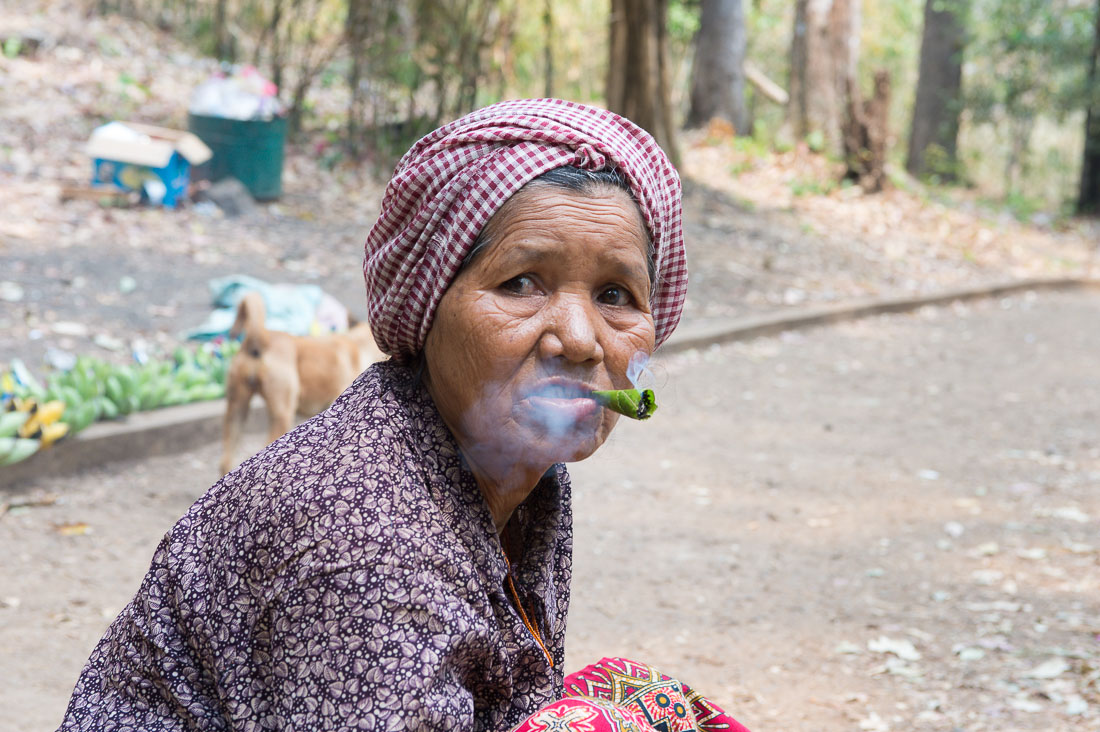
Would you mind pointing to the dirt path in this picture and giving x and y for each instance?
(928, 479)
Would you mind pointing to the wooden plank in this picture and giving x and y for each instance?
(771, 91)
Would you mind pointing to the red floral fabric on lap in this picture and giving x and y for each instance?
(579, 714)
(620, 695)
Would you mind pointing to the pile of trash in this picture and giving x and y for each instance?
(237, 92)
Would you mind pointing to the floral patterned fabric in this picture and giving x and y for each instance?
(348, 577)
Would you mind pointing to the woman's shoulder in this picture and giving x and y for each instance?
(362, 438)
(359, 479)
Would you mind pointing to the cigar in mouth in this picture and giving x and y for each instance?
(629, 402)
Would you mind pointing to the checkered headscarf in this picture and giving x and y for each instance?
(445, 189)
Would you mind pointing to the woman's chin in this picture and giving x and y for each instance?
(568, 445)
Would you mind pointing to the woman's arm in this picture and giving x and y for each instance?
(384, 648)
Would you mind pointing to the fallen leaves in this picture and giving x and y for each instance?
(77, 528)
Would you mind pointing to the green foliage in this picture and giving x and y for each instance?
(940, 166)
(811, 187)
(1026, 73)
(13, 45)
(769, 37)
(683, 20)
(755, 146)
(1027, 58)
(816, 141)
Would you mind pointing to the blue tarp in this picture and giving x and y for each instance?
(290, 308)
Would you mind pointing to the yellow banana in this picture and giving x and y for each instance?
(51, 433)
(50, 412)
(44, 414)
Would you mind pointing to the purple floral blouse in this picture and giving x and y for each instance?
(348, 577)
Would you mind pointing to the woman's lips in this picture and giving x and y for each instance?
(561, 389)
(561, 402)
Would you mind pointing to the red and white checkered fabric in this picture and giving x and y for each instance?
(448, 185)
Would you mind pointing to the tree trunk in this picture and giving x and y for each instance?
(1089, 199)
(356, 33)
(718, 76)
(277, 60)
(637, 79)
(865, 133)
(221, 33)
(933, 138)
(824, 55)
(548, 45)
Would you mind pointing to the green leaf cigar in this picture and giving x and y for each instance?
(630, 402)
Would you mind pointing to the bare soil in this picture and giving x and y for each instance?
(765, 231)
(928, 480)
(889, 524)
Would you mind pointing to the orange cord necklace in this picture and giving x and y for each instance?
(531, 624)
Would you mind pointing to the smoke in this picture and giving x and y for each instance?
(558, 425)
(638, 372)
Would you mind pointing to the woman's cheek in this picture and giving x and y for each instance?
(641, 332)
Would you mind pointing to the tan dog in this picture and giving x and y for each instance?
(294, 374)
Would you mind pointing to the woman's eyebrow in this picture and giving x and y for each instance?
(627, 272)
(526, 251)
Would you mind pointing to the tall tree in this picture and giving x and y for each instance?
(637, 78)
(356, 33)
(548, 46)
(718, 75)
(1088, 201)
(824, 57)
(222, 48)
(933, 138)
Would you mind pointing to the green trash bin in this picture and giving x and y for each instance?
(249, 150)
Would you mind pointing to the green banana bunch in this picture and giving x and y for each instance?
(10, 422)
(14, 449)
(33, 416)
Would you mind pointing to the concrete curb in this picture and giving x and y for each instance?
(144, 434)
(177, 429)
(744, 329)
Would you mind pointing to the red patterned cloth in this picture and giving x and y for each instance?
(620, 695)
(448, 185)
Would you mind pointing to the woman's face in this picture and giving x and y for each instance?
(554, 308)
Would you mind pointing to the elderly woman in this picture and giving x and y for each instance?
(402, 560)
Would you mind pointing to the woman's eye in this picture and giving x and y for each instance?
(615, 295)
(521, 285)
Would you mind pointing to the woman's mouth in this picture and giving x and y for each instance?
(561, 389)
(559, 404)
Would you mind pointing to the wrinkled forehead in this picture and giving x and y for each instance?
(539, 204)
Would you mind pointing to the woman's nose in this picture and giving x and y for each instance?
(572, 329)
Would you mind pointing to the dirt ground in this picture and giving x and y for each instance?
(804, 517)
(889, 524)
(79, 278)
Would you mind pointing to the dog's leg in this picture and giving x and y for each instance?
(281, 394)
(238, 394)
